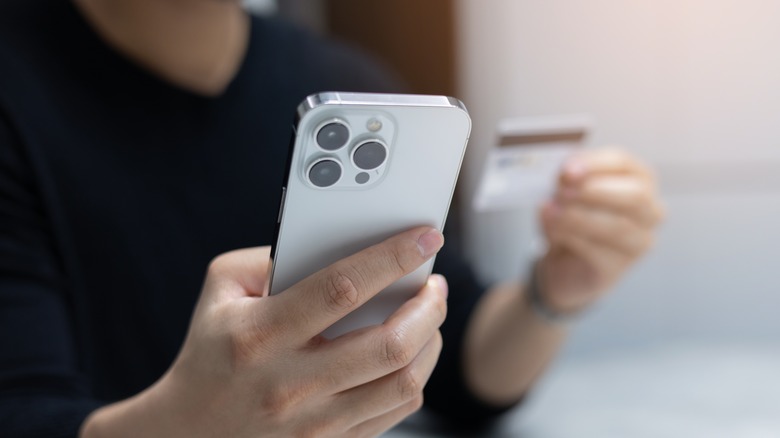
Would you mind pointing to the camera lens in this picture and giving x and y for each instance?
(325, 173)
(369, 155)
(333, 136)
(362, 178)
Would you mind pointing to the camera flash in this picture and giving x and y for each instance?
(374, 125)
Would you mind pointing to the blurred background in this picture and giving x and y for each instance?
(689, 343)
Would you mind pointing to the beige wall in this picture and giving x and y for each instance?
(692, 86)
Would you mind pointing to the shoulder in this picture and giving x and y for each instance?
(330, 64)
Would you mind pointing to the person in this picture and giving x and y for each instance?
(141, 139)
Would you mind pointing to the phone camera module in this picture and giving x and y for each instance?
(325, 173)
(362, 177)
(333, 136)
(369, 155)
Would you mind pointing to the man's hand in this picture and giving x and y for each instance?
(255, 365)
(601, 221)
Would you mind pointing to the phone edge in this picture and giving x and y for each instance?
(316, 100)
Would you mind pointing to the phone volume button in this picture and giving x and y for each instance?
(281, 205)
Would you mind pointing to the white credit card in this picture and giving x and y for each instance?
(522, 169)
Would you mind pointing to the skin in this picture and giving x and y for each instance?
(197, 45)
(260, 366)
(601, 221)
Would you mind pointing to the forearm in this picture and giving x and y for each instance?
(507, 346)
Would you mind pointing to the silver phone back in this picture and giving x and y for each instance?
(425, 139)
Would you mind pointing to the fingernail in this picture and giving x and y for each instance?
(441, 285)
(430, 243)
(575, 168)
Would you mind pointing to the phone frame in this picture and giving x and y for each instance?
(390, 103)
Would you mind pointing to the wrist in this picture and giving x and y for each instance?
(149, 414)
(540, 300)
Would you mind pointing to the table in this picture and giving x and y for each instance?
(670, 390)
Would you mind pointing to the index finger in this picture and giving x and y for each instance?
(318, 301)
(600, 162)
(633, 197)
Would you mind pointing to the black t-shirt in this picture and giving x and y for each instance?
(116, 190)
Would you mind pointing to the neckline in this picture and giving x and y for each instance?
(126, 63)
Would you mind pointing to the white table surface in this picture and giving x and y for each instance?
(684, 390)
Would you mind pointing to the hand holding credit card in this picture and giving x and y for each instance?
(522, 169)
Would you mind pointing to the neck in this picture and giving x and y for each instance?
(198, 45)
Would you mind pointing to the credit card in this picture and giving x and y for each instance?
(522, 168)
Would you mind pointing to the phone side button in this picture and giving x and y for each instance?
(281, 205)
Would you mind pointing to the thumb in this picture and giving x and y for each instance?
(548, 214)
(239, 273)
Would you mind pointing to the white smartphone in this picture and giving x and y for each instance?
(362, 168)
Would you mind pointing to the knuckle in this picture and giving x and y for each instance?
(401, 257)
(243, 350)
(342, 292)
(395, 351)
(253, 342)
(409, 385)
(278, 405)
(396, 259)
(439, 339)
(416, 403)
(440, 309)
(217, 265)
(281, 403)
(316, 430)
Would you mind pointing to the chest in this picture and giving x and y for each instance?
(148, 195)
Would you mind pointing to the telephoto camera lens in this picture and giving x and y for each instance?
(369, 155)
(325, 173)
(333, 136)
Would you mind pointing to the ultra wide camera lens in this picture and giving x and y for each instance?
(325, 173)
(333, 136)
(369, 155)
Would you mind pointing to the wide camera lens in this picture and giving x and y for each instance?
(333, 136)
(325, 173)
(369, 155)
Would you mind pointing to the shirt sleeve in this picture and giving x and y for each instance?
(42, 393)
(446, 394)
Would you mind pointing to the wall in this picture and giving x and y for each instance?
(261, 6)
(415, 39)
(691, 86)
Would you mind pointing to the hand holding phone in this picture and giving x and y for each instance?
(364, 167)
(257, 366)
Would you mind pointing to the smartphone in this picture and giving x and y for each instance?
(362, 168)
